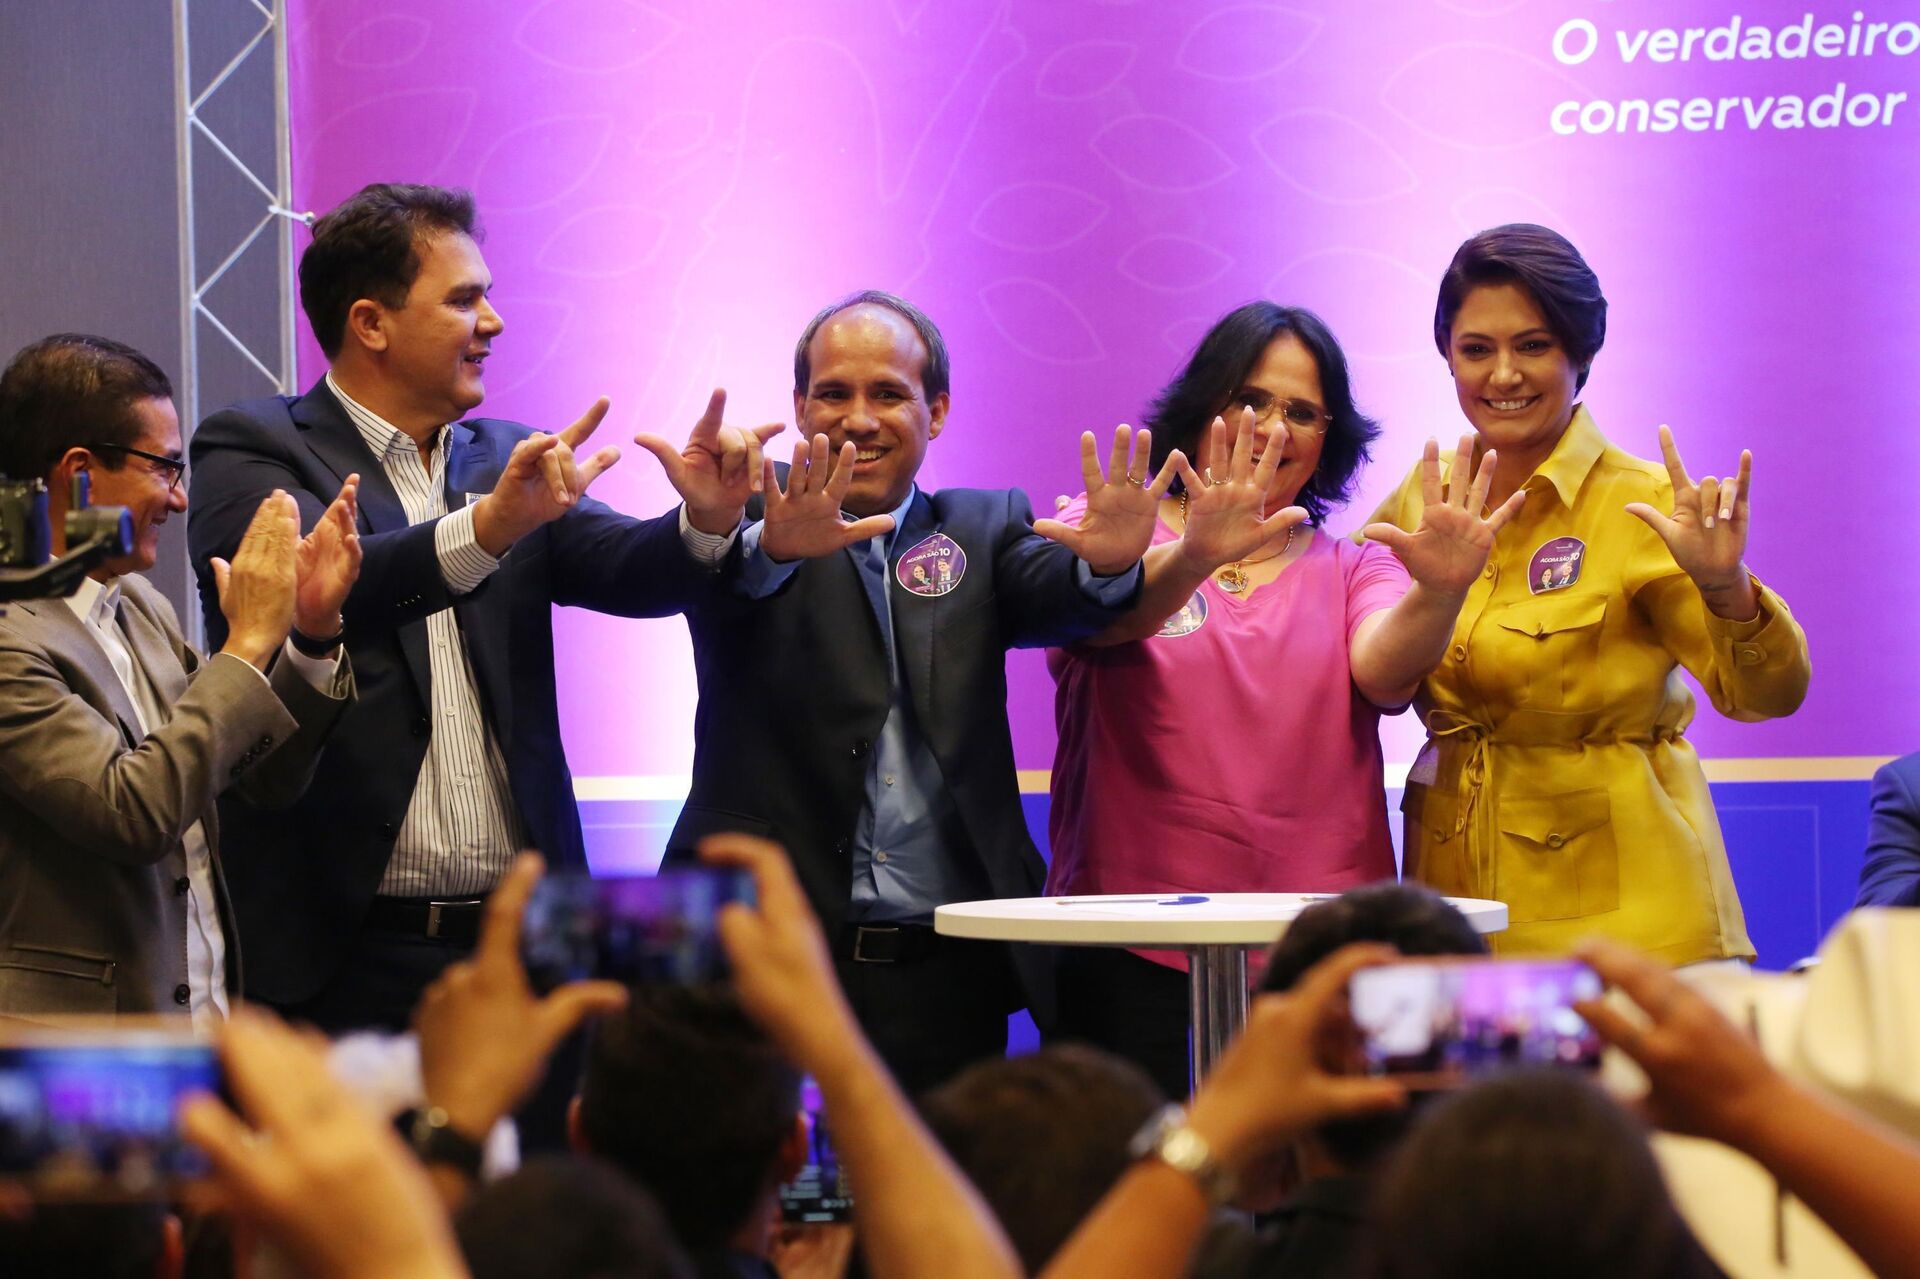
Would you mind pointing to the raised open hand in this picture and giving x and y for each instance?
(545, 477)
(718, 470)
(327, 563)
(803, 520)
(1226, 512)
(1450, 547)
(1707, 532)
(257, 589)
(1118, 525)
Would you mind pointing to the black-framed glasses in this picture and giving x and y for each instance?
(1303, 416)
(173, 468)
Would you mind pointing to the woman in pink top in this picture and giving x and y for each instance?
(1224, 736)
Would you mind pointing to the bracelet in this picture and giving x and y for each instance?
(308, 646)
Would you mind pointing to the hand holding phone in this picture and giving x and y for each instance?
(1439, 1023)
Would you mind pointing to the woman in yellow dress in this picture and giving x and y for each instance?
(1556, 776)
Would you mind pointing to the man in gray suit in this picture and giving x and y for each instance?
(115, 736)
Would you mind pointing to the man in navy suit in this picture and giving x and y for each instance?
(853, 679)
(1891, 873)
(353, 900)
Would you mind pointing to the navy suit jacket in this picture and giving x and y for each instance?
(302, 878)
(794, 690)
(1890, 875)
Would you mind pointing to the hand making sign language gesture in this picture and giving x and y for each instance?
(1451, 545)
(543, 480)
(718, 470)
(1118, 525)
(1225, 513)
(1707, 532)
(803, 519)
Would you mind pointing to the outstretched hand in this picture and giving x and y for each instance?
(1226, 510)
(1707, 532)
(327, 563)
(803, 519)
(1450, 547)
(718, 470)
(1121, 505)
(545, 477)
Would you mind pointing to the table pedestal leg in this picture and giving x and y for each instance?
(1217, 996)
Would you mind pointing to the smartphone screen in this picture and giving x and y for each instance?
(819, 1193)
(95, 1113)
(1438, 1023)
(636, 929)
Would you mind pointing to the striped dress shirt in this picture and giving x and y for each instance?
(461, 829)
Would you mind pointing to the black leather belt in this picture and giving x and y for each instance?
(886, 943)
(454, 920)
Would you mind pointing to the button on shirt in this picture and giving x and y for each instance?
(909, 844)
(461, 828)
(97, 605)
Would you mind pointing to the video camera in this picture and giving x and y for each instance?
(28, 568)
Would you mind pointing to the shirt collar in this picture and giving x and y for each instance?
(899, 514)
(94, 603)
(1573, 457)
(382, 436)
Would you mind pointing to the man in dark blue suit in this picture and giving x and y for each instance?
(853, 680)
(1891, 873)
(353, 900)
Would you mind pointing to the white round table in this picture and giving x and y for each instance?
(1214, 929)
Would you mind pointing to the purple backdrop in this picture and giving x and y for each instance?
(1075, 189)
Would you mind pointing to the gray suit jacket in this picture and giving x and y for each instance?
(93, 905)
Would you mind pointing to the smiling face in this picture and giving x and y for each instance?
(143, 487)
(1512, 375)
(433, 349)
(864, 386)
(1286, 370)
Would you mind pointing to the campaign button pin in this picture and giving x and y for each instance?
(1556, 565)
(1189, 619)
(934, 567)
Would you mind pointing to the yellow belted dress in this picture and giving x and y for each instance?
(1557, 777)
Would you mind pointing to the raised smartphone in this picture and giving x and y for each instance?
(1437, 1023)
(91, 1110)
(640, 929)
(819, 1192)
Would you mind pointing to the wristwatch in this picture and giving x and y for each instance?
(436, 1142)
(313, 646)
(1167, 1137)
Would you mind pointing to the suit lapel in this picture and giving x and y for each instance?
(333, 438)
(97, 684)
(916, 618)
(152, 652)
(483, 616)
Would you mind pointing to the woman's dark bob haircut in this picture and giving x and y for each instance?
(1546, 265)
(1219, 367)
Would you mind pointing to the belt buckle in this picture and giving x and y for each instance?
(860, 941)
(435, 918)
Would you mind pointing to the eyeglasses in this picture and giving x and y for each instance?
(172, 468)
(1303, 416)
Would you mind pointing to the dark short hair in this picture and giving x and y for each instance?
(1533, 1173)
(692, 1100)
(935, 376)
(1043, 1136)
(1413, 920)
(368, 246)
(565, 1216)
(1219, 366)
(70, 390)
(1549, 268)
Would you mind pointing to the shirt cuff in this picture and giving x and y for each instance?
(705, 548)
(1727, 628)
(1112, 592)
(323, 673)
(463, 563)
(760, 576)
